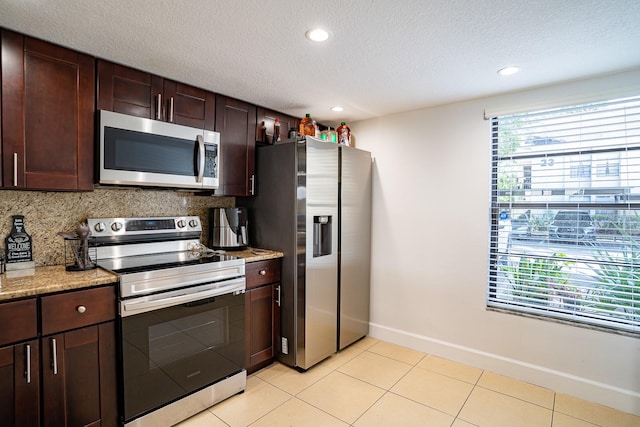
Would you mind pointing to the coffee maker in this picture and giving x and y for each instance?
(228, 228)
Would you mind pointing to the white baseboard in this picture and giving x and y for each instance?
(583, 388)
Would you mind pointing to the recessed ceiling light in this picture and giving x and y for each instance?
(337, 108)
(317, 35)
(508, 71)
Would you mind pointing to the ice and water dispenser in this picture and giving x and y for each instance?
(321, 235)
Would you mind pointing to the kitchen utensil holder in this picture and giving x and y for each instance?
(80, 254)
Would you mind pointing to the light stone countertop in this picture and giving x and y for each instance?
(49, 279)
(254, 254)
(44, 280)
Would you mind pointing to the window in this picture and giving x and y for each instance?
(580, 170)
(565, 215)
(608, 168)
(526, 171)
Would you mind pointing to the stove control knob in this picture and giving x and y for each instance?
(100, 227)
(193, 223)
(116, 226)
(182, 223)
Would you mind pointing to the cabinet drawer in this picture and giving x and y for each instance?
(18, 321)
(77, 309)
(262, 272)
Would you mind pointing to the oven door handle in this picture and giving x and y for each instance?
(183, 296)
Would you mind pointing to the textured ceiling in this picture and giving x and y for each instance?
(383, 56)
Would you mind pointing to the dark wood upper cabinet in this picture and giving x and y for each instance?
(48, 102)
(127, 91)
(265, 122)
(137, 93)
(191, 106)
(236, 122)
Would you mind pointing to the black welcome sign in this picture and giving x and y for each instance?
(18, 242)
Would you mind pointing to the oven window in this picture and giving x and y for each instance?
(170, 353)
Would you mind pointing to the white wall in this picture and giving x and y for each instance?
(429, 257)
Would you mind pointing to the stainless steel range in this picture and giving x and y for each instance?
(181, 317)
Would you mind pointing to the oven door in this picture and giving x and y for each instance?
(176, 343)
(139, 151)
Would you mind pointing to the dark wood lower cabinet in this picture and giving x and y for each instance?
(262, 313)
(261, 303)
(73, 382)
(65, 375)
(20, 384)
(19, 363)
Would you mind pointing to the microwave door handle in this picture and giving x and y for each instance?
(201, 163)
(171, 110)
(159, 107)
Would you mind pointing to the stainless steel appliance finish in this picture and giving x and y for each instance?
(297, 211)
(181, 317)
(355, 244)
(228, 228)
(143, 152)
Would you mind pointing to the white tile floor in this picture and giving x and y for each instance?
(374, 383)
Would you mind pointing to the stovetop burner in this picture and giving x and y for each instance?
(159, 254)
(140, 263)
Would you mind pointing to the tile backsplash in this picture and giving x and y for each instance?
(48, 213)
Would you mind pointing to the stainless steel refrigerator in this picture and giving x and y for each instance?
(313, 203)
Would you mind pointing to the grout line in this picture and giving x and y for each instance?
(465, 402)
(517, 398)
(371, 406)
(268, 412)
(296, 372)
(449, 376)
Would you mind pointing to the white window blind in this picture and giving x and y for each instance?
(565, 214)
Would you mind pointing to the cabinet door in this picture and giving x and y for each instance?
(23, 318)
(75, 389)
(236, 122)
(265, 121)
(136, 93)
(129, 91)
(20, 384)
(189, 106)
(262, 325)
(47, 115)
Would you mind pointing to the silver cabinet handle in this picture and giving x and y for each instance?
(27, 373)
(262, 272)
(159, 107)
(278, 295)
(171, 109)
(201, 152)
(15, 169)
(81, 309)
(253, 185)
(55, 356)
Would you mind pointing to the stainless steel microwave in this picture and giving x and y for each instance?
(143, 152)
